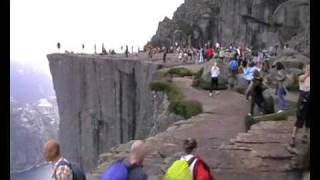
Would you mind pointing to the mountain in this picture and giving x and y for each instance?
(31, 125)
(257, 23)
(28, 84)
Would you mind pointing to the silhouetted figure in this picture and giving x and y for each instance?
(95, 49)
(165, 54)
(83, 48)
(104, 51)
(58, 46)
(127, 51)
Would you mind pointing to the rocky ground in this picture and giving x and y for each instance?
(231, 153)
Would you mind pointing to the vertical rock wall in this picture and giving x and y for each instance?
(102, 101)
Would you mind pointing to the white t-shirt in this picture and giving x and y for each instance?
(304, 86)
(187, 158)
(215, 71)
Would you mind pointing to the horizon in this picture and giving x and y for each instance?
(76, 22)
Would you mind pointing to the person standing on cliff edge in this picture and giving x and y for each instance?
(127, 51)
(62, 168)
(58, 46)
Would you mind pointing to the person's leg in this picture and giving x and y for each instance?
(216, 85)
(252, 107)
(211, 86)
(281, 100)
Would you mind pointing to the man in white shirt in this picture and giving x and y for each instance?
(214, 73)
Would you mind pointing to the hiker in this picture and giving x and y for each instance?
(83, 48)
(189, 166)
(165, 54)
(255, 89)
(104, 51)
(95, 49)
(58, 46)
(281, 89)
(209, 54)
(303, 106)
(214, 73)
(130, 168)
(62, 168)
(127, 51)
(201, 55)
(233, 68)
(248, 72)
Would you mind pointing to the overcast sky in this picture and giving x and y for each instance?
(37, 25)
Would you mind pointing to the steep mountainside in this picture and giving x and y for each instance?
(258, 23)
(31, 125)
(104, 101)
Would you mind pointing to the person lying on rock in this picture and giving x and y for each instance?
(130, 168)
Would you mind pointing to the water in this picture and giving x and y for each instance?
(38, 173)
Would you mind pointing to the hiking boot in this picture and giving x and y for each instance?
(210, 94)
(249, 114)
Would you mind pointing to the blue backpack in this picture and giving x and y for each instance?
(117, 171)
(77, 172)
(233, 65)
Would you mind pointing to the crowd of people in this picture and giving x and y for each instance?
(191, 166)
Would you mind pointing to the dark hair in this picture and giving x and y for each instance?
(189, 144)
(244, 63)
(279, 66)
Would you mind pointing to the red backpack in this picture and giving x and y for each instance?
(201, 170)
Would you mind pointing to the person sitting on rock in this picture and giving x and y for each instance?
(303, 106)
(130, 168)
(255, 89)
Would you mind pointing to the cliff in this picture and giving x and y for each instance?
(104, 101)
(258, 23)
(31, 125)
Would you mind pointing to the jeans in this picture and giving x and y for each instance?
(282, 101)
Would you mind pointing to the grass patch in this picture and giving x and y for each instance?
(186, 109)
(250, 120)
(177, 104)
(179, 72)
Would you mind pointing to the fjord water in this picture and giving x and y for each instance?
(38, 173)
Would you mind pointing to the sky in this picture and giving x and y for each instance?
(37, 25)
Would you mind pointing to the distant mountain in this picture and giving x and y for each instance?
(31, 125)
(28, 84)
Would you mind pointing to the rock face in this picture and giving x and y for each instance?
(258, 23)
(31, 125)
(104, 101)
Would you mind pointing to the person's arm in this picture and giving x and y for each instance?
(303, 77)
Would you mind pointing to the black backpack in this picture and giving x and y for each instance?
(77, 172)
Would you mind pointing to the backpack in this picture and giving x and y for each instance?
(233, 65)
(77, 172)
(201, 170)
(179, 170)
(117, 171)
